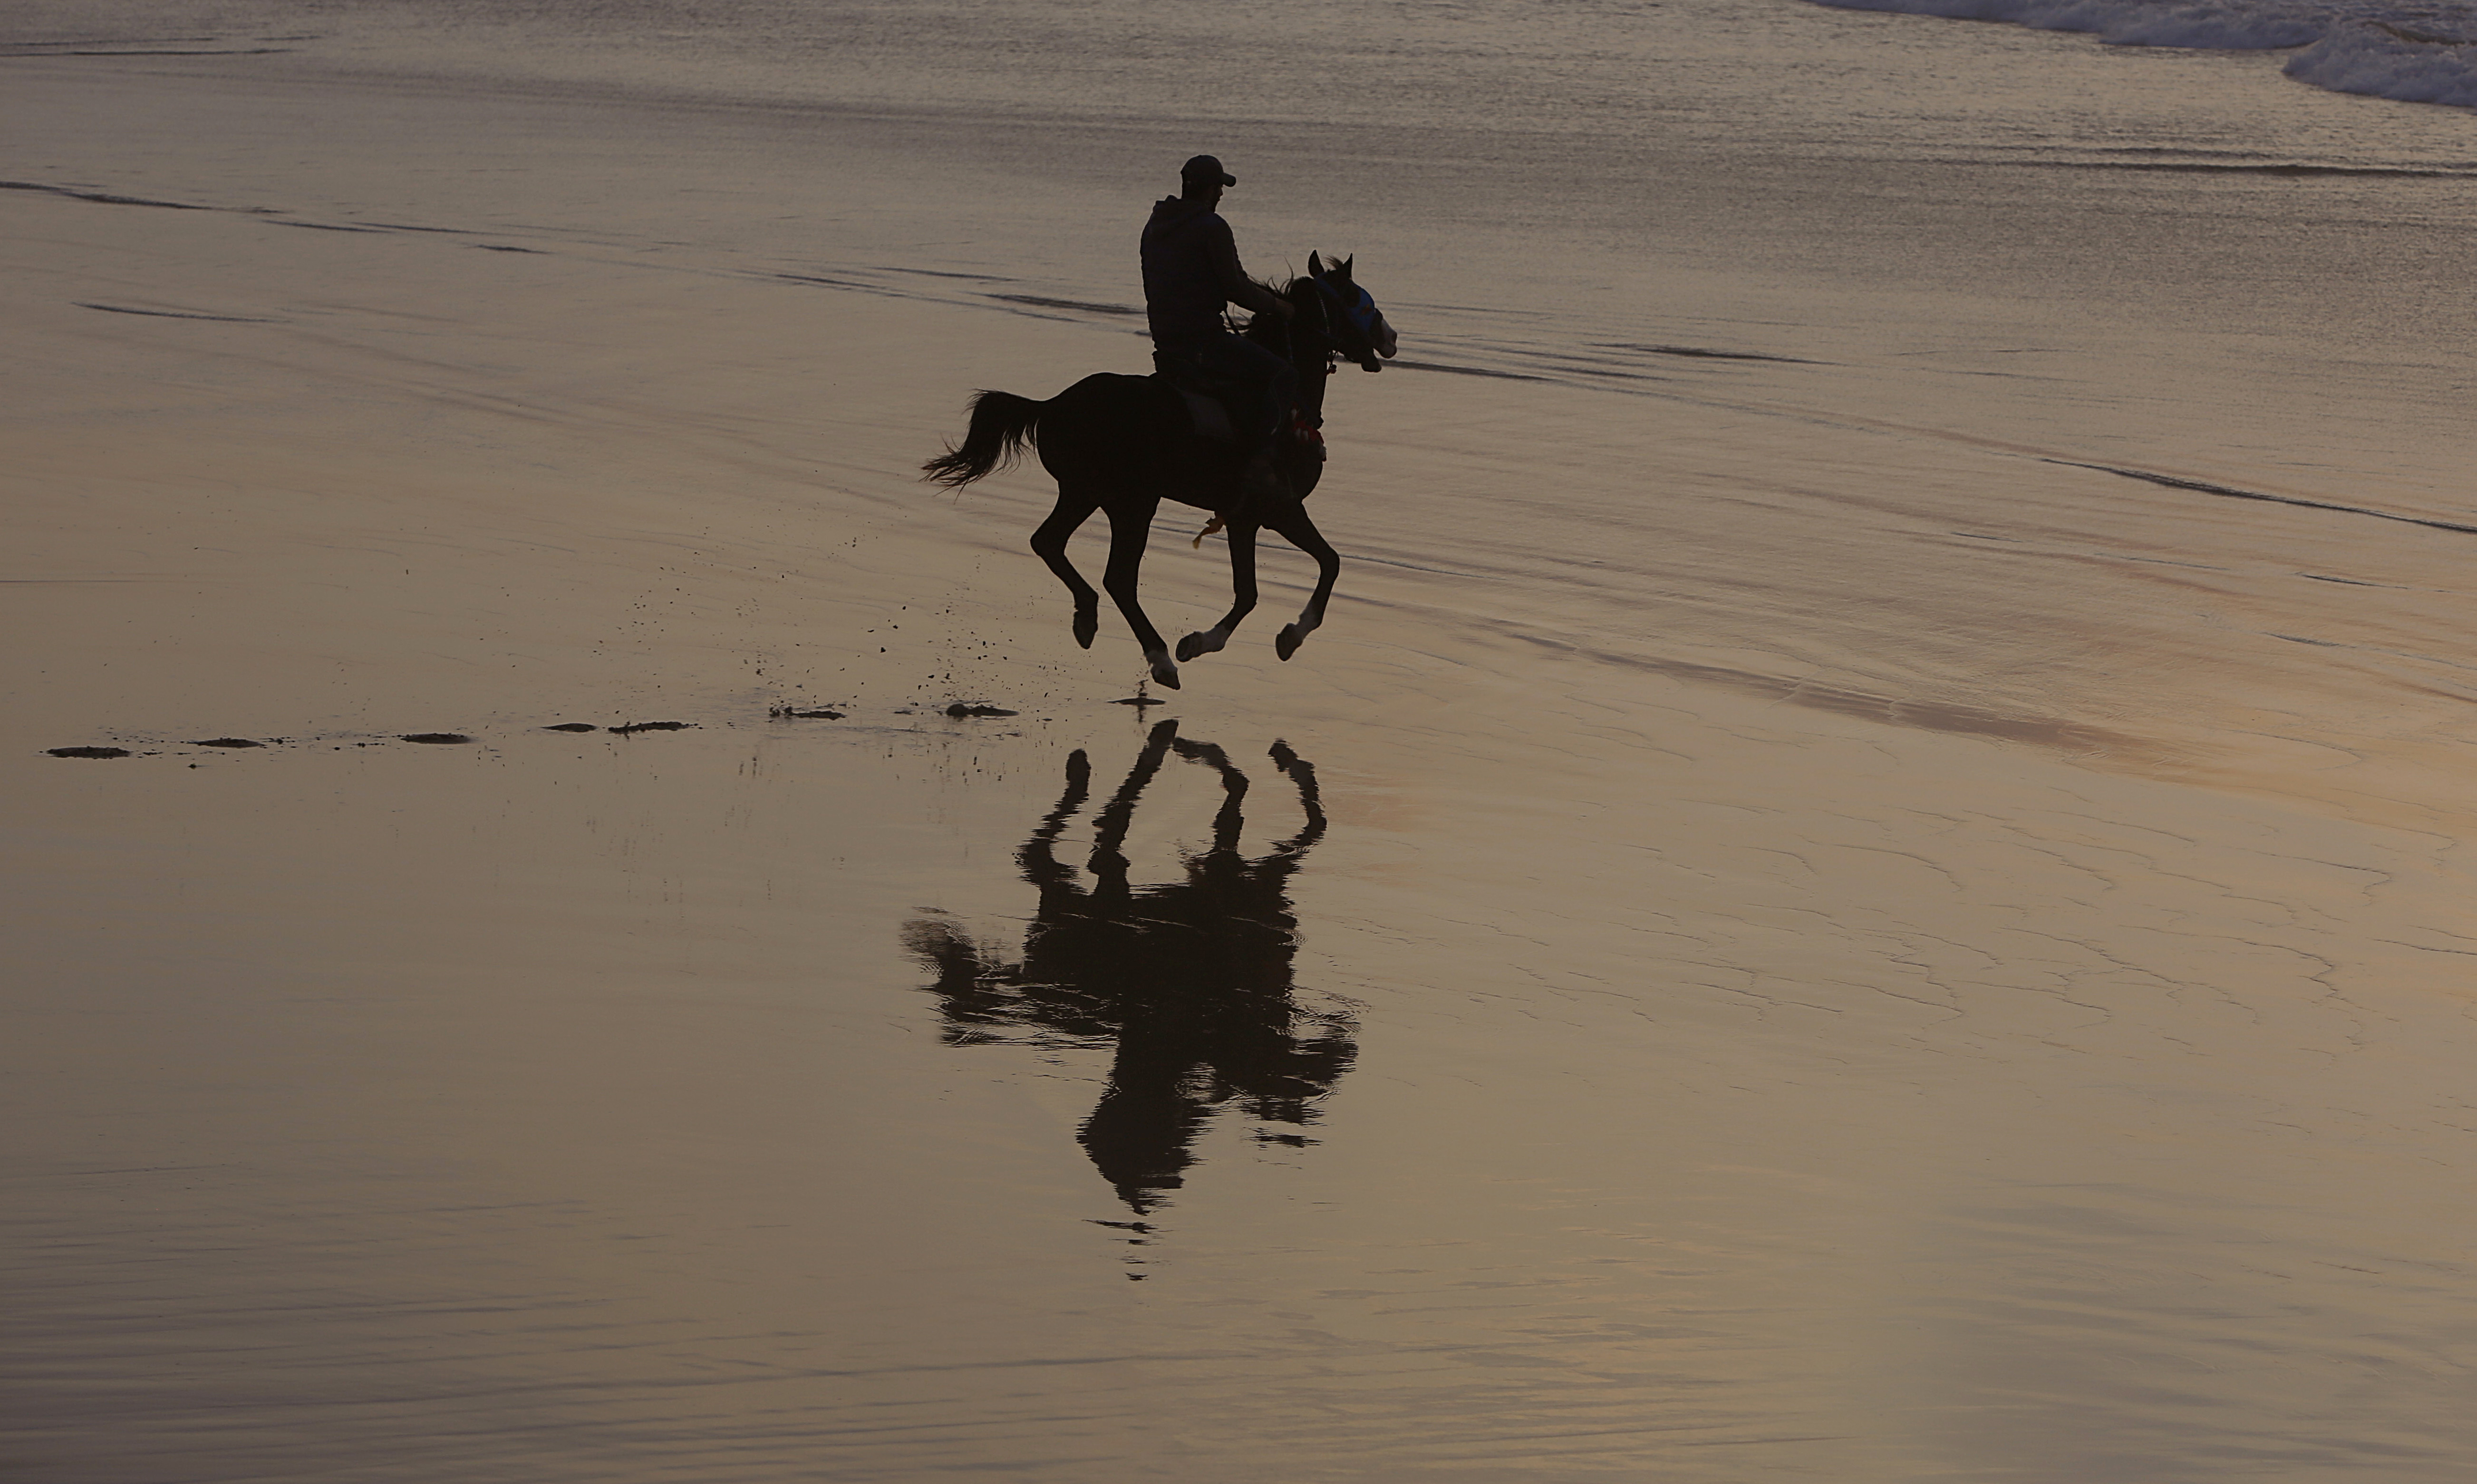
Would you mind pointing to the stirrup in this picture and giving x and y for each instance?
(1272, 485)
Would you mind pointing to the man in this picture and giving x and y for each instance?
(1190, 271)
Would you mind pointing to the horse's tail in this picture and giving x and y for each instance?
(1003, 425)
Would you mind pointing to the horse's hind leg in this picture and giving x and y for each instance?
(1131, 523)
(1049, 543)
(1242, 595)
(1295, 528)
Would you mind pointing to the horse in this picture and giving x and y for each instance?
(1190, 981)
(1123, 443)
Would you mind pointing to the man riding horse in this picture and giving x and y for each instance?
(1191, 270)
(1123, 444)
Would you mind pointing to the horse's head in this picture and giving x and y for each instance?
(1358, 326)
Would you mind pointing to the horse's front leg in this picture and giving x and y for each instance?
(1073, 508)
(1300, 532)
(1242, 595)
(1130, 526)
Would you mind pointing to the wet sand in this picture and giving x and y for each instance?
(1755, 944)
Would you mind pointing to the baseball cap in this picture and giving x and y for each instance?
(1206, 168)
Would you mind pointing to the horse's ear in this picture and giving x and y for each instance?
(1316, 268)
(1345, 265)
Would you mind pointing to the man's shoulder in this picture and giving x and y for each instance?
(1171, 214)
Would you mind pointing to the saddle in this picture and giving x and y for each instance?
(1213, 411)
(1213, 403)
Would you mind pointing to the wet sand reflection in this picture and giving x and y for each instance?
(1190, 981)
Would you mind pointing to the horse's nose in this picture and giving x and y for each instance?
(1386, 344)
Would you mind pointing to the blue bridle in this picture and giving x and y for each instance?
(1361, 311)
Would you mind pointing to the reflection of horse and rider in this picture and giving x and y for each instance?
(1189, 980)
(1230, 421)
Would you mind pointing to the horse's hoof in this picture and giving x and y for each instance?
(1165, 673)
(1087, 624)
(1194, 644)
(1287, 643)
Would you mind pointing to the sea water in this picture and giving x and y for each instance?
(2206, 262)
(2417, 54)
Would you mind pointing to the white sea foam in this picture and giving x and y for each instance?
(2388, 65)
(2425, 55)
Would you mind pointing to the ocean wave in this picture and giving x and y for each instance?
(2384, 61)
(2427, 55)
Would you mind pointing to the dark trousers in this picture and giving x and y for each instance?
(1253, 376)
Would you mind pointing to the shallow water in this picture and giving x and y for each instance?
(1855, 933)
(1836, 1140)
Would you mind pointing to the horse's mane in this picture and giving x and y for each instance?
(1265, 329)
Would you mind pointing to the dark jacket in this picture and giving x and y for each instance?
(1190, 271)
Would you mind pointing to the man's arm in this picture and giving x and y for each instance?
(1235, 285)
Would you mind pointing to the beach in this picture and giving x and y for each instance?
(1864, 881)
